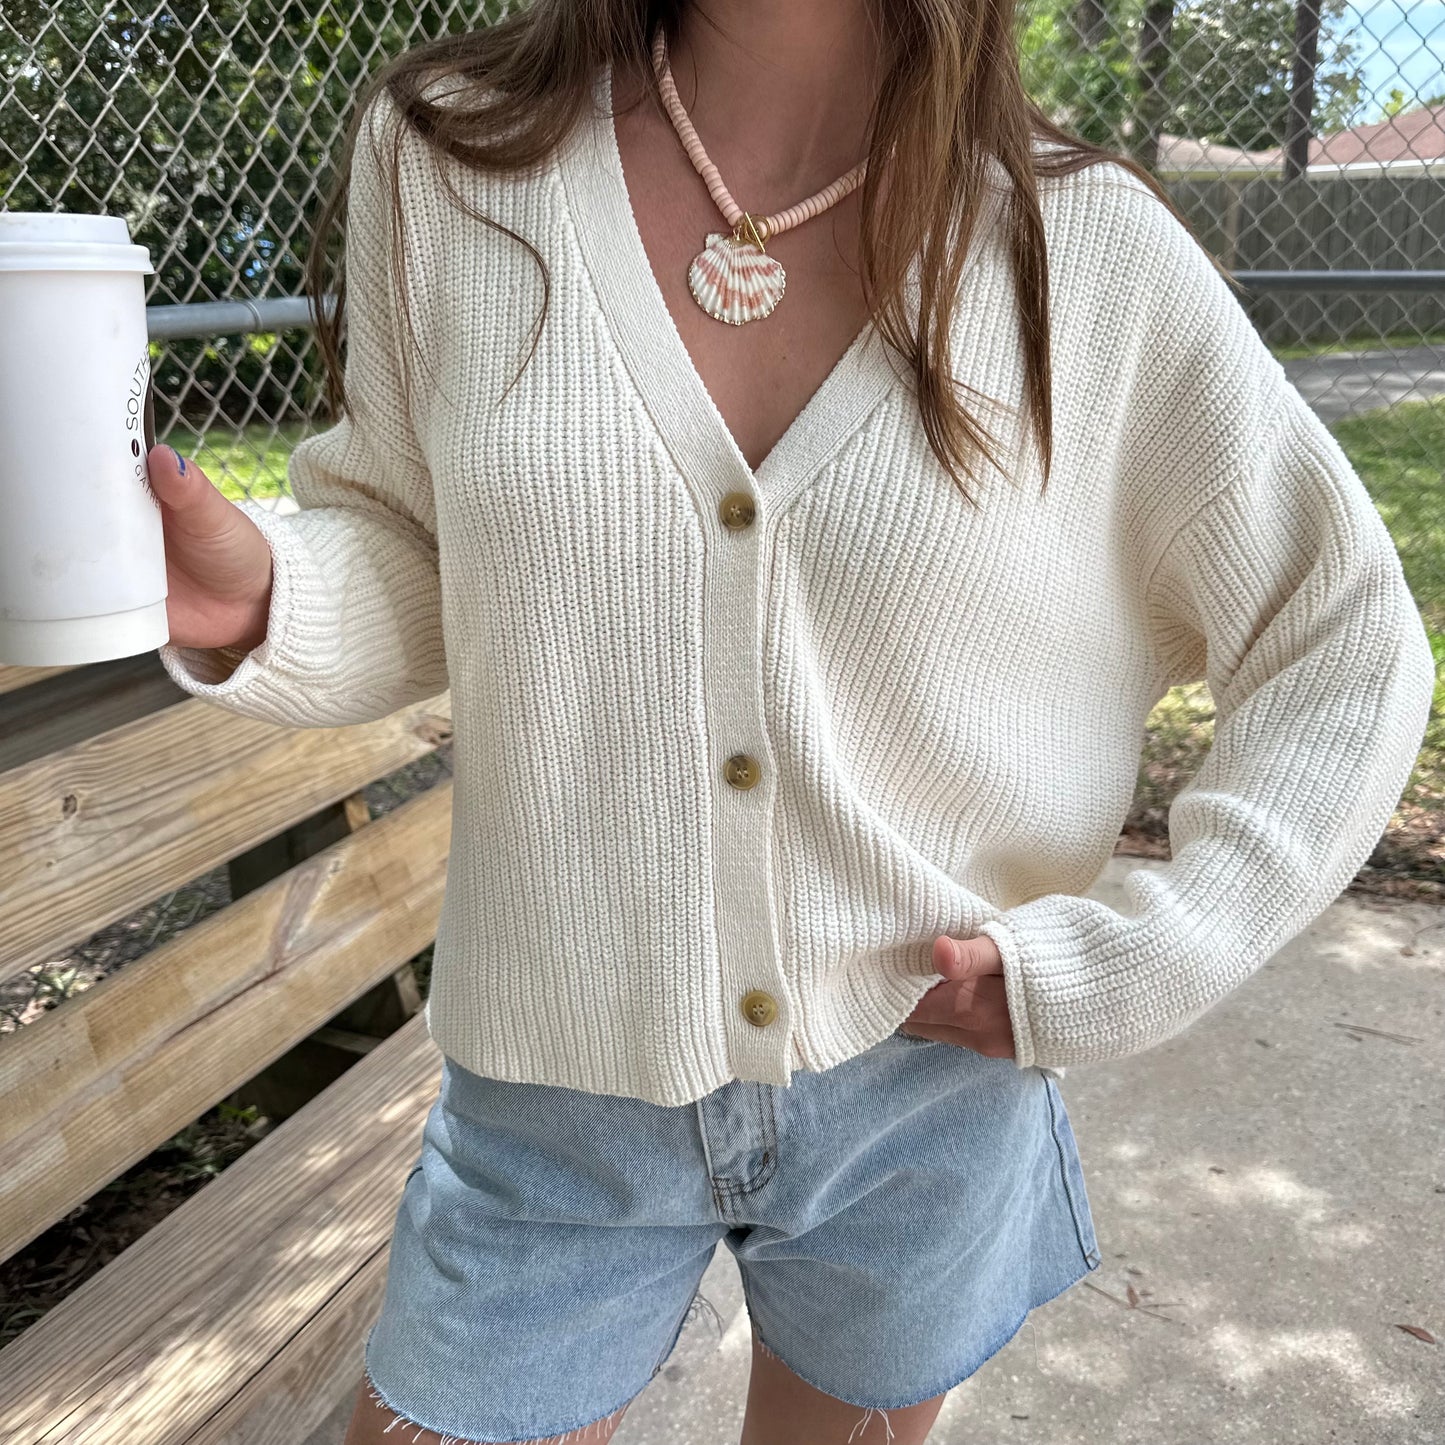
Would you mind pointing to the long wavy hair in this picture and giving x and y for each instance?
(950, 96)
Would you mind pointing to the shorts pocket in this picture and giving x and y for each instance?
(900, 1036)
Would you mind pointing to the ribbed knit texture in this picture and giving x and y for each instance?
(946, 703)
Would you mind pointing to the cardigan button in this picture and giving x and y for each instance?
(742, 771)
(737, 510)
(759, 1008)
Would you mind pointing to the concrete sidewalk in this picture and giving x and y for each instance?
(1270, 1182)
(1272, 1185)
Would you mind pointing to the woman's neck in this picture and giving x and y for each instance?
(789, 86)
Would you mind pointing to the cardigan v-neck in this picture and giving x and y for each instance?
(662, 368)
(939, 706)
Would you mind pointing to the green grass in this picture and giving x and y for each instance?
(250, 462)
(1399, 453)
(1399, 341)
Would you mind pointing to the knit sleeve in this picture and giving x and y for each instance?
(1282, 589)
(355, 624)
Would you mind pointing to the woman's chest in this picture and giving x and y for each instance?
(587, 413)
(761, 374)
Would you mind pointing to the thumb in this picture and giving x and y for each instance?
(957, 958)
(197, 507)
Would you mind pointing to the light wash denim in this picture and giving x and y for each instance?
(894, 1219)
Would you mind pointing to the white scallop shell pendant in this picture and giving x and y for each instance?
(733, 281)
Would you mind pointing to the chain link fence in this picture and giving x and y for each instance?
(1300, 136)
(1305, 139)
(210, 125)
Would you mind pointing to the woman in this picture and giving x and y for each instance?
(803, 568)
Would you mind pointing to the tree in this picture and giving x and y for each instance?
(209, 125)
(1078, 64)
(1120, 72)
(1399, 104)
(1234, 71)
(1155, 52)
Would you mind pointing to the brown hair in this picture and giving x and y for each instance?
(950, 95)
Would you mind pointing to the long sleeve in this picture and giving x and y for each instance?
(355, 623)
(1280, 586)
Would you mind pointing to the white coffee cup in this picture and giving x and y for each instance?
(82, 550)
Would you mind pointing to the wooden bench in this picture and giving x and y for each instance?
(241, 1316)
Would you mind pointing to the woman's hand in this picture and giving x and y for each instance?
(218, 566)
(970, 1008)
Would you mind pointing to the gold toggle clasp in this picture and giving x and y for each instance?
(749, 225)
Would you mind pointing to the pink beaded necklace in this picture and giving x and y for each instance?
(733, 278)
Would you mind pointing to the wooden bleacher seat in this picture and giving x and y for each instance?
(241, 1316)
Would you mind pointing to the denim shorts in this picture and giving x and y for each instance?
(894, 1219)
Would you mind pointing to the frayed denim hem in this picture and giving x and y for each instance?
(957, 1377)
(574, 1435)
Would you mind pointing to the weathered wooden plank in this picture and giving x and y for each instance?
(76, 703)
(297, 1391)
(274, 855)
(99, 1082)
(299, 1074)
(348, 1039)
(12, 677)
(96, 830)
(181, 1338)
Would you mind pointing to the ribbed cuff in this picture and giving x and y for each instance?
(297, 587)
(1011, 951)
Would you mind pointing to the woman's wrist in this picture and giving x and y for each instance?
(255, 634)
(231, 654)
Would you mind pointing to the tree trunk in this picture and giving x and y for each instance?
(1302, 89)
(1091, 22)
(1156, 30)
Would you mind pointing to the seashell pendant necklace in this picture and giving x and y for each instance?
(733, 278)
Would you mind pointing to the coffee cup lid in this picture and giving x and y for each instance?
(68, 241)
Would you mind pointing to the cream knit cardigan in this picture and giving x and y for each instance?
(946, 702)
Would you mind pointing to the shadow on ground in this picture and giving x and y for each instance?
(1272, 1186)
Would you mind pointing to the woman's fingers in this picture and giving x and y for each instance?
(957, 958)
(169, 475)
(970, 1007)
(996, 1040)
(970, 1003)
(218, 564)
(196, 507)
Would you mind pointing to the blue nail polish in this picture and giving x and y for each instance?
(180, 460)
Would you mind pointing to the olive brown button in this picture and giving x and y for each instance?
(742, 771)
(759, 1008)
(737, 510)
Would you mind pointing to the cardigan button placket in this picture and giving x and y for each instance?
(759, 1031)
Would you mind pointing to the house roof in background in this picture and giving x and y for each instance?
(1416, 138)
(1417, 135)
(1180, 153)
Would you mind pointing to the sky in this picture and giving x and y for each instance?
(1401, 43)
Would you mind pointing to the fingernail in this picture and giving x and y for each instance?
(180, 460)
